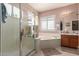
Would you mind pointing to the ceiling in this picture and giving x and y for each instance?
(40, 7)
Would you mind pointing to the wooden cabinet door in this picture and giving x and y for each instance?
(73, 42)
(64, 41)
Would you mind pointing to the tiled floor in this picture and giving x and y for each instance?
(61, 51)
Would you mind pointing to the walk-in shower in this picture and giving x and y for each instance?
(16, 30)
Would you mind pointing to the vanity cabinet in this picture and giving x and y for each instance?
(69, 41)
(64, 40)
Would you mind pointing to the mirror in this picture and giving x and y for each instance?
(75, 25)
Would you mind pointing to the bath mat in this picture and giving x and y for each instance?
(50, 51)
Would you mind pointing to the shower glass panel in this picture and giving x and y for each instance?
(10, 31)
(27, 40)
(0, 29)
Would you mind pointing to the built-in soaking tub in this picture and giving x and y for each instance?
(48, 41)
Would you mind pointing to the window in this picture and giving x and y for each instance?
(51, 25)
(9, 9)
(30, 18)
(48, 23)
(16, 12)
(44, 25)
(36, 19)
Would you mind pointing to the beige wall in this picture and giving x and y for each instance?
(58, 11)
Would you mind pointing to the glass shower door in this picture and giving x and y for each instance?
(10, 37)
(0, 29)
(27, 40)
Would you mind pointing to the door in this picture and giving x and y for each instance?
(27, 40)
(65, 40)
(10, 37)
(73, 42)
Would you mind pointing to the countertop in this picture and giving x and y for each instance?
(69, 34)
